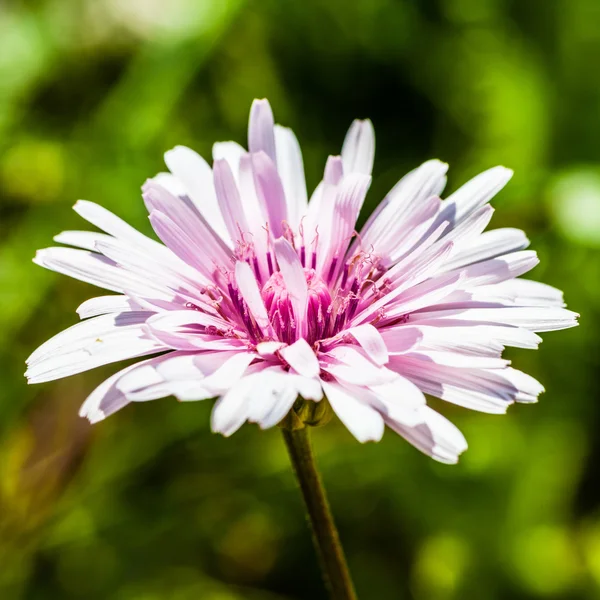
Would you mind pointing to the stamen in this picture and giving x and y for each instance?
(270, 263)
(332, 269)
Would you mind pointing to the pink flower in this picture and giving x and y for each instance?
(258, 297)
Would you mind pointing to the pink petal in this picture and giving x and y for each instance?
(248, 288)
(270, 193)
(187, 219)
(334, 170)
(261, 137)
(192, 251)
(399, 340)
(229, 200)
(295, 281)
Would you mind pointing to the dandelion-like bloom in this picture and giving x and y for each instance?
(257, 296)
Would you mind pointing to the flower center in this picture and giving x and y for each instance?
(278, 304)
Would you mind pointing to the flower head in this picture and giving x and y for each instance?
(257, 296)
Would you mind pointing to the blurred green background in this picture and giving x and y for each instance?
(149, 504)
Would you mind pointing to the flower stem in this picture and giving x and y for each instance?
(325, 535)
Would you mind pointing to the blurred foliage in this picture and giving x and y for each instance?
(149, 505)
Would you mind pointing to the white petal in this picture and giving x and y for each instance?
(106, 399)
(232, 152)
(430, 292)
(364, 422)
(182, 280)
(371, 341)
(81, 239)
(533, 318)
(231, 410)
(489, 244)
(475, 193)
(474, 339)
(98, 270)
(228, 373)
(301, 357)
(403, 200)
(337, 231)
(484, 390)
(358, 150)
(498, 269)
(110, 223)
(350, 364)
(407, 274)
(435, 436)
(273, 397)
(169, 182)
(463, 361)
(400, 400)
(90, 344)
(196, 175)
(291, 171)
(264, 396)
(102, 305)
(173, 366)
(523, 292)
(404, 234)
(81, 333)
(269, 349)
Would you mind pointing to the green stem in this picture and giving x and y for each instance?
(325, 535)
